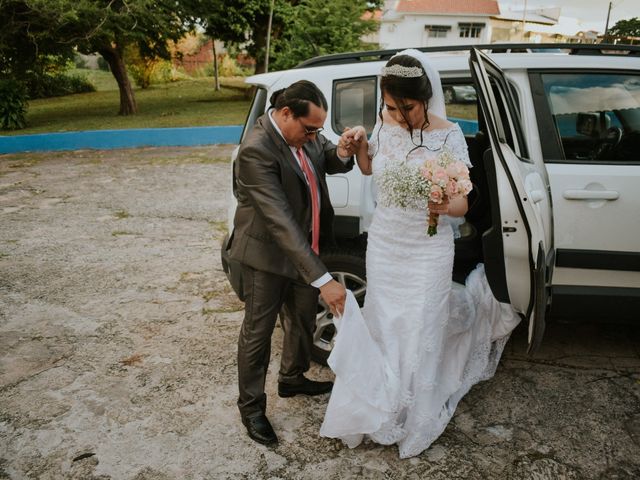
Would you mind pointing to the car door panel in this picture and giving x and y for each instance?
(591, 200)
(524, 207)
(594, 191)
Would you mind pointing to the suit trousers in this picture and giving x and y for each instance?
(265, 295)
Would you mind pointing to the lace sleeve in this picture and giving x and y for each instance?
(458, 145)
(373, 139)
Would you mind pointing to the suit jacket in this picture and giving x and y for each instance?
(273, 216)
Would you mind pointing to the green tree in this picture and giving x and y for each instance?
(103, 26)
(626, 28)
(340, 30)
(225, 20)
(24, 40)
(240, 22)
(300, 28)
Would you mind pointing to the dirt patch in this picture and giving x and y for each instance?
(118, 339)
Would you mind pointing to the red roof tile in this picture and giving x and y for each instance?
(376, 15)
(487, 7)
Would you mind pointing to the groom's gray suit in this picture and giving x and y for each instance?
(272, 242)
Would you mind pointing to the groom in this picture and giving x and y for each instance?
(283, 216)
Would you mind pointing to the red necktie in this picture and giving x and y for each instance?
(315, 207)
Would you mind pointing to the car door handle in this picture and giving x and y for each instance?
(590, 194)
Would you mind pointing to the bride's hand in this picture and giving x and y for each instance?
(439, 208)
(351, 140)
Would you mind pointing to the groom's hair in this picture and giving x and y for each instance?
(297, 97)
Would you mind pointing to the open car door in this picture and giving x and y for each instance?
(518, 248)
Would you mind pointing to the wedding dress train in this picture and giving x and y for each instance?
(403, 363)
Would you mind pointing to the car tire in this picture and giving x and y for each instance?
(349, 268)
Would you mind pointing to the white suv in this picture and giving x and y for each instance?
(555, 144)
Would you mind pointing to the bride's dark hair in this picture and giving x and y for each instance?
(401, 88)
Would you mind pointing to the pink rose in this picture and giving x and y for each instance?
(465, 186)
(426, 173)
(440, 176)
(453, 170)
(436, 194)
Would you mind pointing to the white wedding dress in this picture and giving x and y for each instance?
(419, 344)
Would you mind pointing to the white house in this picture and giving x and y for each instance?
(421, 23)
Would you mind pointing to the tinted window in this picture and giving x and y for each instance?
(508, 109)
(597, 116)
(462, 108)
(354, 103)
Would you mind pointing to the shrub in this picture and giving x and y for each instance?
(103, 65)
(55, 85)
(13, 105)
(146, 71)
(79, 61)
(141, 70)
(228, 67)
(164, 72)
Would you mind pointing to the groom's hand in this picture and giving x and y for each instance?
(334, 295)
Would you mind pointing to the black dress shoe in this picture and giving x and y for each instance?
(304, 387)
(260, 430)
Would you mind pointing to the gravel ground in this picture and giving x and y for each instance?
(118, 338)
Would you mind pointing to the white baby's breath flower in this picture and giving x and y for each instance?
(403, 185)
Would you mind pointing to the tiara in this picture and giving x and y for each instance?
(401, 71)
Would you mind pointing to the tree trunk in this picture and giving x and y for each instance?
(260, 46)
(216, 74)
(113, 56)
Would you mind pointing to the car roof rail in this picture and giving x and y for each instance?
(377, 55)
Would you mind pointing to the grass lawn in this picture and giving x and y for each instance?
(186, 103)
(467, 111)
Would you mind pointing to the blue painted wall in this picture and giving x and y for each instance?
(110, 139)
(468, 127)
(143, 137)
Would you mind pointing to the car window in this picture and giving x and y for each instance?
(596, 115)
(508, 108)
(354, 103)
(257, 108)
(461, 102)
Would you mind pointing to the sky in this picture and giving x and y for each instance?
(592, 14)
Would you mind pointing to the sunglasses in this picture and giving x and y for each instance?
(310, 131)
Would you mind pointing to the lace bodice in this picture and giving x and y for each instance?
(396, 160)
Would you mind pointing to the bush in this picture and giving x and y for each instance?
(13, 105)
(228, 67)
(79, 61)
(103, 64)
(58, 84)
(146, 71)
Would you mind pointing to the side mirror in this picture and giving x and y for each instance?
(588, 124)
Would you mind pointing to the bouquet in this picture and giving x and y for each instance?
(447, 178)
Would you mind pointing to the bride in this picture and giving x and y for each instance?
(403, 363)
